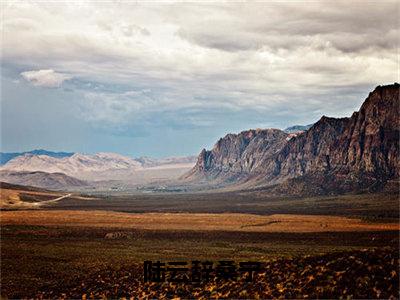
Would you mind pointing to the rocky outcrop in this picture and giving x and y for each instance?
(342, 154)
(236, 156)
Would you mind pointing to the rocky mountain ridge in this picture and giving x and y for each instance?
(340, 153)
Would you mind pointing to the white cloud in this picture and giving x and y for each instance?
(114, 108)
(263, 55)
(45, 78)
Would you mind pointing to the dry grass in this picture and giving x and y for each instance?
(11, 198)
(17, 199)
(197, 221)
(63, 250)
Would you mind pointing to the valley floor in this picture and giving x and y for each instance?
(196, 221)
(80, 247)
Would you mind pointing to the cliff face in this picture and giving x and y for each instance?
(236, 156)
(345, 153)
(371, 141)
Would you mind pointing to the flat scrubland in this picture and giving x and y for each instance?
(95, 246)
(377, 206)
(195, 221)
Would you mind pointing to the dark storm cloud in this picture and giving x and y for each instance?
(349, 27)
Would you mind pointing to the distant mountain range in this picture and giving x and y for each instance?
(78, 165)
(297, 128)
(5, 157)
(334, 155)
(81, 169)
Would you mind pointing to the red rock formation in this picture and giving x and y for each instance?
(339, 154)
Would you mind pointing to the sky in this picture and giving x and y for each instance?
(169, 78)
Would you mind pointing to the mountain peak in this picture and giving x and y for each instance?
(339, 154)
(297, 128)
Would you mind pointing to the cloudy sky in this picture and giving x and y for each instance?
(165, 78)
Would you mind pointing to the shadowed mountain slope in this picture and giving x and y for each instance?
(336, 154)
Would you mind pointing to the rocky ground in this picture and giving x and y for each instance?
(363, 274)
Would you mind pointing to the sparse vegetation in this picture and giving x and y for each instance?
(75, 253)
(50, 262)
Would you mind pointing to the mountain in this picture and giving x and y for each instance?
(5, 157)
(236, 156)
(334, 155)
(10, 186)
(45, 180)
(297, 128)
(103, 166)
(78, 165)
